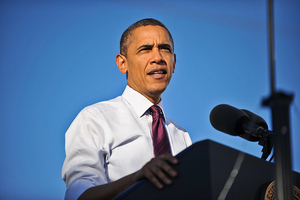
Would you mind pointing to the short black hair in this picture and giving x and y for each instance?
(126, 36)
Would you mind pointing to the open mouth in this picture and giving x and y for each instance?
(160, 71)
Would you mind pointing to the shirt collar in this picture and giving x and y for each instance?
(139, 102)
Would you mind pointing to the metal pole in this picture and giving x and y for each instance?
(271, 46)
(279, 103)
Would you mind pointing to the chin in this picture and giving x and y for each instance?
(158, 89)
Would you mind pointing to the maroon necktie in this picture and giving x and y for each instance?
(159, 135)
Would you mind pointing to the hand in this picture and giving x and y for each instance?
(157, 170)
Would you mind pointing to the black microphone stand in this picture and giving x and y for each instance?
(279, 102)
(267, 142)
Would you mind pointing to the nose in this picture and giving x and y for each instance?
(157, 56)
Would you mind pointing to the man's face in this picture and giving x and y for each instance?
(150, 61)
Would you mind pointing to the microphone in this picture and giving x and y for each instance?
(243, 123)
(254, 119)
(236, 122)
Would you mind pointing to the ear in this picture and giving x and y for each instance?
(174, 63)
(121, 63)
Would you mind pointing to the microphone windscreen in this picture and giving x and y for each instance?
(228, 119)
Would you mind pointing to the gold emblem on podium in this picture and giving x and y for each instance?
(270, 192)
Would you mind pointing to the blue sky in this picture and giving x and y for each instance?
(57, 57)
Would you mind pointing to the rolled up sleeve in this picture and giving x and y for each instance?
(84, 166)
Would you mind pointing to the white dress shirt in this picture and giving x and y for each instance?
(111, 139)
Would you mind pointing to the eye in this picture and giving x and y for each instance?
(145, 48)
(166, 48)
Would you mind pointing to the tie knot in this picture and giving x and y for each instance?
(155, 111)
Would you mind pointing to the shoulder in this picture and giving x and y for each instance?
(104, 106)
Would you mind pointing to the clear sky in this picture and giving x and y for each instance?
(57, 57)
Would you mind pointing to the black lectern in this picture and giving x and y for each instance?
(203, 171)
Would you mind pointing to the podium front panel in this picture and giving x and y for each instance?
(203, 170)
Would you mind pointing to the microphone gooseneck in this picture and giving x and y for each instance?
(243, 123)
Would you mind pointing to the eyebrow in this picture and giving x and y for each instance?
(145, 46)
(160, 46)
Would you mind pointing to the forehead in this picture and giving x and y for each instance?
(149, 35)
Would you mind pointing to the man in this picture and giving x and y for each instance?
(109, 145)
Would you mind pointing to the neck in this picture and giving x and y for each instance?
(154, 100)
